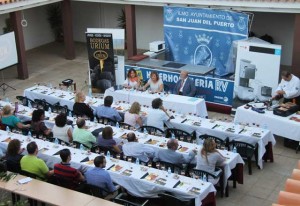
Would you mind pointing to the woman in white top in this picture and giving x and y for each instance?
(209, 158)
(61, 130)
(132, 80)
(156, 85)
(132, 116)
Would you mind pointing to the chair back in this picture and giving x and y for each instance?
(125, 125)
(180, 134)
(52, 139)
(60, 109)
(28, 174)
(3, 165)
(219, 142)
(95, 191)
(127, 200)
(23, 100)
(106, 121)
(245, 149)
(201, 173)
(165, 165)
(169, 199)
(101, 149)
(152, 130)
(133, 159)
(42, 104)
(78, 145)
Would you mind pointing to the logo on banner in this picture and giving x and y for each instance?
(242, 24)
(203, 54)
(100, 55)
(169, 16)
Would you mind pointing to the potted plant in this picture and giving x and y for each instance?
(55, 20)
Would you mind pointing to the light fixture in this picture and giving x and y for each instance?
(23, 21)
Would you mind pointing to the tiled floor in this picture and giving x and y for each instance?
(47, 64)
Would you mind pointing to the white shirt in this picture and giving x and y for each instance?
(156, 118)
(61, 132)
(127, 82)
(154, 86)
(181, 88)
(138, 150)
(291, 88)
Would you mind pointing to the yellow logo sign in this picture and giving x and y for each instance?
(100, 55)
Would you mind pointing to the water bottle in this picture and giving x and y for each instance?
(234, 149)
(70, 114)
(56, 142)
(29, 134)
(108, 154)
(118, 125)
(137, 161)
(29, 105)
(81, 148)
(172, 136)
(145, 132)
(6, 99)
(169, 171)
(204, 178)
(50, 85)
(7, 129)
(49, 110)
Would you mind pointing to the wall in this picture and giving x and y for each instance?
(38, 31)
(280, 27)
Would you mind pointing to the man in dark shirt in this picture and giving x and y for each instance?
(63, 170)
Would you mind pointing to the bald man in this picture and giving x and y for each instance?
(185, 86)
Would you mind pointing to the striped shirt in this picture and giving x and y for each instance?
(68, 173)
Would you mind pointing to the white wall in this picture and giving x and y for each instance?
(38, 31)
(280, 27)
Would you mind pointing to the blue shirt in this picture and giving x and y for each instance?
(108, 112)
(101, 178)
(11, 120)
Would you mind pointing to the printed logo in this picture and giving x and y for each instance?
(169, 16)
(203, 54)
(242, 24)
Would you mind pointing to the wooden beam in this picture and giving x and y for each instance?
(68, 29)
(130, 30)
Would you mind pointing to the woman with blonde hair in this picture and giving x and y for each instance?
(82, 109)
(132, 117)
(9, 119)
(209, 156)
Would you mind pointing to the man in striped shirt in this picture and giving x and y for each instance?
(63, 171)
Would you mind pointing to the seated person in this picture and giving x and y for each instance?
(9, 119)
(65, 171)
(209, 157)
(132, 117)
(185, 86)
(37, 123)
(34, 165)
(132, 80)
(106, 110)
(98, 176)
(157, 115)
(82, 135)
(61, 130)
(14, 156)
(170, 155)
(156, 85)
(82, 109)
(135, 149)
(106, 140)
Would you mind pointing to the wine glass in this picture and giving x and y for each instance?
(182, 172)
(129, 159)
(157, 165)
(118, 156)
(181, 138)
(149, 164)
(97, 150)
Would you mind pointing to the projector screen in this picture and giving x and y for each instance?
(8, 50)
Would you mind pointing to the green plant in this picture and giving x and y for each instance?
(8, 26)
(5, 177)
(54, 13)
(122, 20)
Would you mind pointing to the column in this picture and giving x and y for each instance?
(296, 47)
(130, 30)
(22, 69)
(68, 29)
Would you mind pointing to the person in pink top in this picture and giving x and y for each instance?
(132, 117)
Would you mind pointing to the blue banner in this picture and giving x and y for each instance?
(213, 90)
(202, 36)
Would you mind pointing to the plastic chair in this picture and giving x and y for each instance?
(292, 186)
(60, 109)
(106, 121)
(152, 130)
(219, 142)
(173, 167)
(95, 191)
(169, 199)
(23, 100)
(180, 134)
(125, 125)
(42, 104)
(296, 174)
(52, 139)
(78, 145)
(125, 199)
(288, 198)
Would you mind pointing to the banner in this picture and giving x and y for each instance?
(213, 90)
(101, 61)
(202, 36)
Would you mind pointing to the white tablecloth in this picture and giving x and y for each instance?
(226, 129)
(133, 183)
(281, 126)
(181, 104)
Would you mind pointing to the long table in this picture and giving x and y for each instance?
(135, 178)
(281, 126)
(181, 104)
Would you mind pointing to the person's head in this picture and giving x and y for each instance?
(7, 110)
(131, 137)
(38, 115)
(32, 148)
(80, 97)
(14, 147)
(135, 108)
(65, 155)
(80, 123)
(100, 161)
(131, 73)
(107, 133)
(287, 76)
(172, 144)
(108, 100)
(183, 74)
(61, 120)
(209, 145)
(154, 76)
(157, 103)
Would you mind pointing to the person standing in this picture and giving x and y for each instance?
(185, 86)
